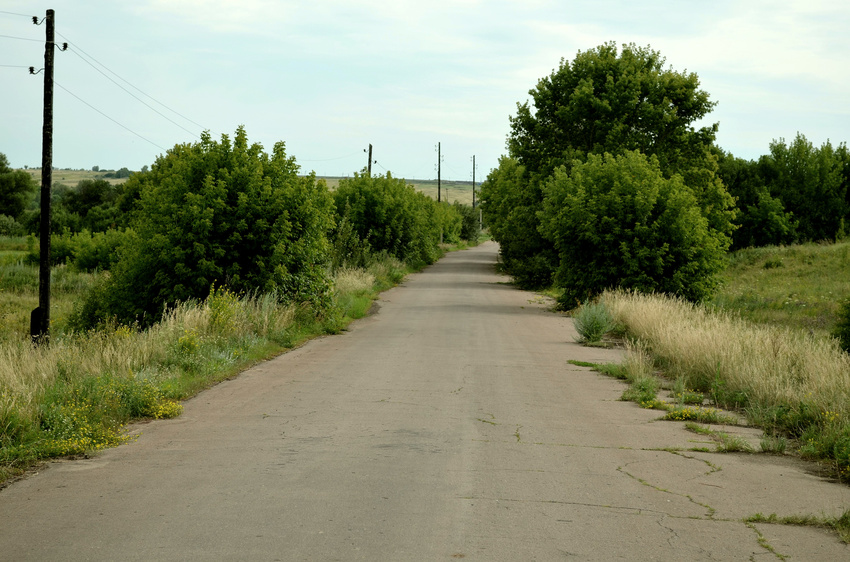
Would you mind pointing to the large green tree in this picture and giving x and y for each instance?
(606, 100)
(219, 212)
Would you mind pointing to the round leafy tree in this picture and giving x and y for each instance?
(618, 222)
(224, 213)
(605, 100)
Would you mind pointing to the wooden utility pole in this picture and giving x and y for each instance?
(439, 161)
(473, 181)
(40, 318)
(369, 167)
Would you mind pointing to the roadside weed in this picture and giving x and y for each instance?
(840, 524)
(701, 415)
(774, 444)
(592, 321)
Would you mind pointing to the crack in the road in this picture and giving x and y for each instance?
(762, 540)
(627, 509)
(711, 512)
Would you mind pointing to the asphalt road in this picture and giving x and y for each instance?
(447, 426)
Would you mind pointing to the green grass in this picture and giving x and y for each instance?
(840, 524)
(797, 286)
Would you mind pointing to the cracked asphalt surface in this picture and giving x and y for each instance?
(447, 426)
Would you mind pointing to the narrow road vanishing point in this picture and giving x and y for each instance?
(447, 426)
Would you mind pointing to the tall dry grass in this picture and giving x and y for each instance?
(774, 367)
(224, 321)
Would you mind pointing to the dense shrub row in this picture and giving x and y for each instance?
(227, 213)
(796, 193)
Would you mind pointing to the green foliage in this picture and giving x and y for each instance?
(83, 250)
(16, 189)
(762, 219)
(95, 203)
(602, 102)
(643, 390)
(120, 174)
(617, 222)
(592, 321)
(609, 101)
(348, 250)
(387, 214)
(469, 221)
(223, 212)
(10, 227)
(811, 184)
(511, 203)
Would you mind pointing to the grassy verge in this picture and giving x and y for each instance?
(785, 380)
(797, 286)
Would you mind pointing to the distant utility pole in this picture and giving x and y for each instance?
(439, 161)
(473, 181)
(40, 318)
(369, 166)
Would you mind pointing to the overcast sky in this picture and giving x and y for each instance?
(328, 77)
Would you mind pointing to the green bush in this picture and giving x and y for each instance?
(469, 221)
(618, 222)
(592, 321)
(83, 250)
(387, 214)
(10, 227)
(218, 212)
(99, 251)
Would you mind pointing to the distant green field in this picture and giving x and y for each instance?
(72, 177)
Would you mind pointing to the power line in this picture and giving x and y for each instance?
(15, 14)
(77, 48)
(22, 38)
(12, 66)
(110, 118)
(136, 97)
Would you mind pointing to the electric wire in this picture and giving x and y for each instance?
(12, 66)
(16, 14)
(108, 117)
(75, 50)
(141, 101)
(22, 38)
